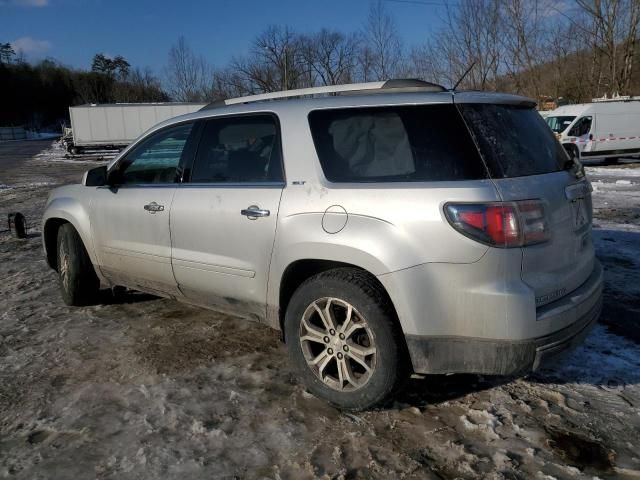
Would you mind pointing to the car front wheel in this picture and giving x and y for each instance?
(79, 284)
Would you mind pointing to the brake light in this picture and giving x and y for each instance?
(500, 224)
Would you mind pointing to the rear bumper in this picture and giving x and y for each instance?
(460, 354)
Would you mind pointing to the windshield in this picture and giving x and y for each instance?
(559, 124)
(513, 141)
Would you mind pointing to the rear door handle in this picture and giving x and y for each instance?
(153, 207)
(254, 212)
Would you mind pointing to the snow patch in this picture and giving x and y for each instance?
(615, 357)
(613, 172)
(481, 421)
(57, 153)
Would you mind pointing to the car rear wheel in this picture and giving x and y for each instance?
(79, 283)
(343, 339)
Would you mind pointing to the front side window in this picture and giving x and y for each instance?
(243, 149)
(156, 159)
(559, 124)
(395, 144)
(582, 127)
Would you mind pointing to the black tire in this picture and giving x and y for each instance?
(79, 283)
(361, 291)
(18, 225)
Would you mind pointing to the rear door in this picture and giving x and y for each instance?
(223, 220)
(527, 162)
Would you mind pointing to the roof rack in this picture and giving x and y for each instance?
(615, 98)
(388, 86)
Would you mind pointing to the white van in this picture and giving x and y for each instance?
(600, 130)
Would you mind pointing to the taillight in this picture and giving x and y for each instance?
(500, 224)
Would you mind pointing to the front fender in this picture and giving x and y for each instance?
(74, 210)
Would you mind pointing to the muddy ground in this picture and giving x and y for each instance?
(141, 387)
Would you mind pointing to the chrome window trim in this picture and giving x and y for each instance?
(199, 185)
(140, 185)
(233, 185)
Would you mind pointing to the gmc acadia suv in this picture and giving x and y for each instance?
(385, 228)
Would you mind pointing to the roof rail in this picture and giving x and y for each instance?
(388, 86)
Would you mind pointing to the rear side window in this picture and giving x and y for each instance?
(514, 141)
(395, 144)
(243, 149)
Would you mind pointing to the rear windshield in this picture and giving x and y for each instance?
(514, 141)
(395, 144)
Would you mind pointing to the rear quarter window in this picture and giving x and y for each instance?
(395, 144)
(514, 141)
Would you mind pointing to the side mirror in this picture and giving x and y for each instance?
(96, 177)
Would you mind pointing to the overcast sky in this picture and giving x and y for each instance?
(72, 31)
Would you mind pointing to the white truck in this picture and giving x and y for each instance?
(605, 129)
(114, 126)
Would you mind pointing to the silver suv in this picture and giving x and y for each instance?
(385, 228)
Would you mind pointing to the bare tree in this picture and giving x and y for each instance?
(275, 63)
(479, 40)
(425, 63)
(188, 74)
(471, 35)
(330, 57)
(526, 26)
(228, 83)
(613, 26)
(381, 53)
(140, 86)
(538, 48)
(364, 63)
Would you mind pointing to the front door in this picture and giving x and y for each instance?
(223, 220)
(583, 133)
(130, 218)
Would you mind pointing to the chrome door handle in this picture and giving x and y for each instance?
(153, 207)
(254, 212)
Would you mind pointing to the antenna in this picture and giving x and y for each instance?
(464, 75)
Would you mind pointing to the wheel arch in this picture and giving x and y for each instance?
(59, 211)
(298, 271)
(50, 239)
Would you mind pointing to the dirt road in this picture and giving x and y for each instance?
(148, 388)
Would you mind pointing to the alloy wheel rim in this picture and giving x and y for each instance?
(337, 344)
(64, 264)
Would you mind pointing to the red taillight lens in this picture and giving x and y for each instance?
(500, 224)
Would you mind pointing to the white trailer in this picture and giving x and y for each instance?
(103, 126)
(604, 129)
